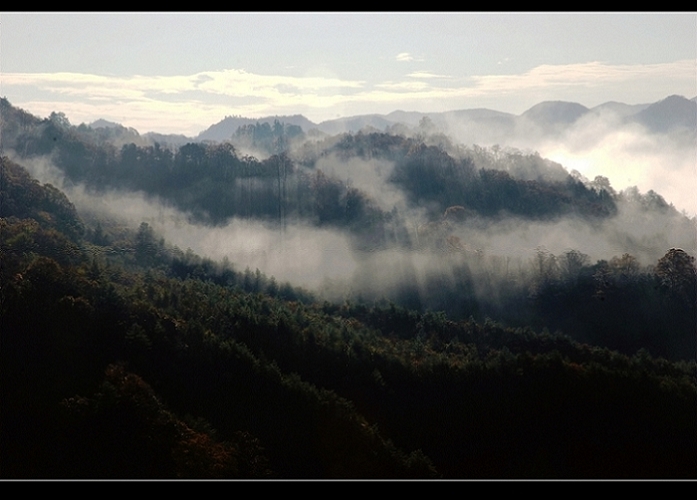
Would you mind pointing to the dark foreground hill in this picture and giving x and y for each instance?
(136, 360)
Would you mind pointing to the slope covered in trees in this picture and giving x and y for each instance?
(215, 182)
(125, 357)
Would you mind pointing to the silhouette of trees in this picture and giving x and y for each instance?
(676, 272)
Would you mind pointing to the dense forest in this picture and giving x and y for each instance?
(124, 356)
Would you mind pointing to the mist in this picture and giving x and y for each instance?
(492, 251)
(605, 143)
(370, 176)
(631, 156)
(300, 254)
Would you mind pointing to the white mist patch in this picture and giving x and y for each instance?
(300, 254)
(41, 168)
(385, 273)
(631, 157)
(604, 143)
(521, 239)
(646, 236)
(369, 176)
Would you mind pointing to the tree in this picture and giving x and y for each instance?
(60, 119)
(676, 272)
(625, 268)
(426, 127)
(677, 276)
(571, 263)
(98, 236)
(601, 183)
(146, 246)
(546, 265)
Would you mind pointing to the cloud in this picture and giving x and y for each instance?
(426, 74)
(592, 74)
(629, 156)
(188, 103)
(160, 102)
(404, 86)
(232, 82)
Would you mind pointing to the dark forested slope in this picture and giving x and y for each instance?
(153, 363)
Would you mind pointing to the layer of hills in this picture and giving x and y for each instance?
(662, 116)
(483, 126)
(125, 356)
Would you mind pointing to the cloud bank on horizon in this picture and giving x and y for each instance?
(187, 104)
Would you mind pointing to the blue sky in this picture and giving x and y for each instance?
(181, 72)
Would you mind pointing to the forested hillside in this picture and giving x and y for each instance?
(125, 356)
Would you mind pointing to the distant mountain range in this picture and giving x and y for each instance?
(671, 112)
(478, 125)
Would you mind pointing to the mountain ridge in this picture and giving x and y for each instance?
(546, 114)
(661, 116)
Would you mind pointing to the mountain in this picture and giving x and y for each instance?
(225, 128)
(479, 114)
(672, 112)
(125, 357)
(476, 118)
(102, 123)
(354, 124)
(168, 139)
(154, 363)
(619, 108)
(478, 126)
(552, 114)
(408, 117)
(14, 122)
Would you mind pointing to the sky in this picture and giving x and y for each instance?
(182, 72)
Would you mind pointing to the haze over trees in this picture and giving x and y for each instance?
(475, 311)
